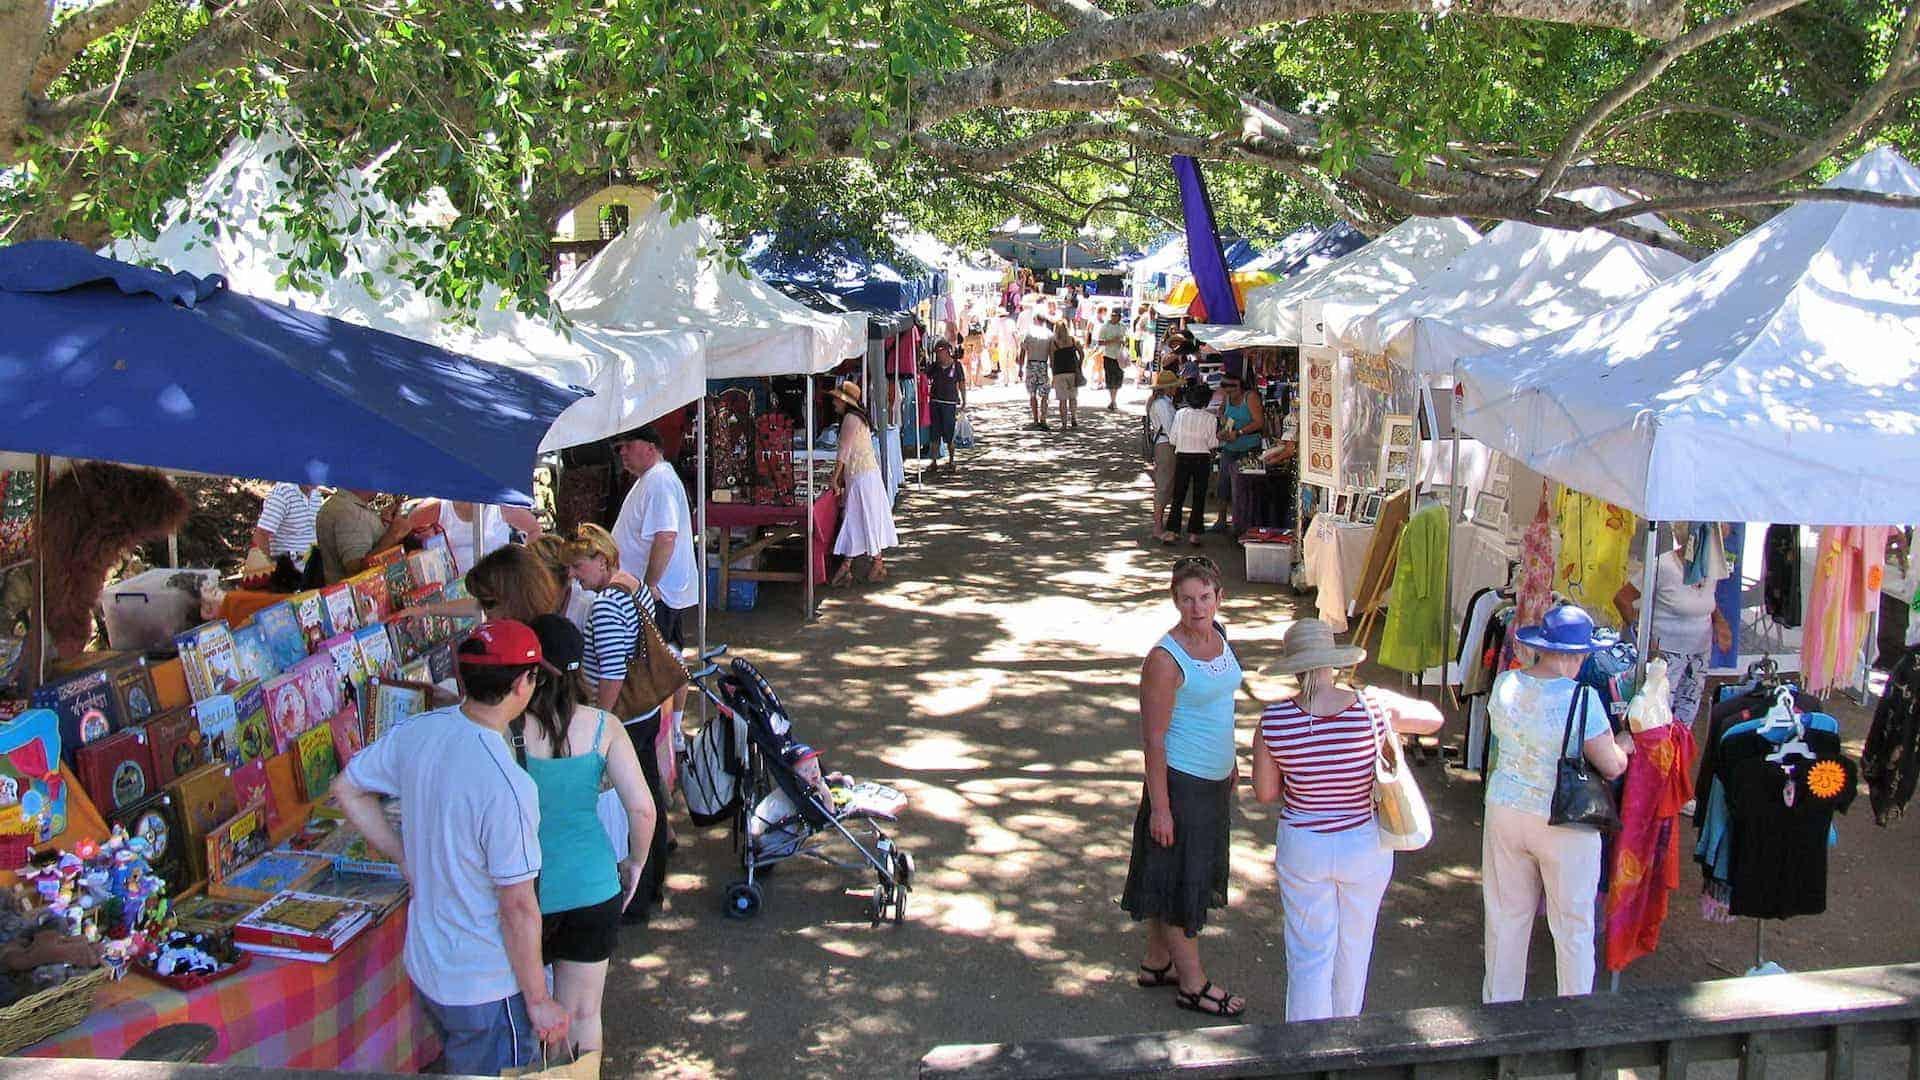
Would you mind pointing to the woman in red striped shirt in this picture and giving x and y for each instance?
(1314, 753)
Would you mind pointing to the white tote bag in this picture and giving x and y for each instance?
(1399, 810)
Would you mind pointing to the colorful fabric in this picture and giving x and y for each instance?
(1849, 565)
(1595, 538)
(1646, 852)
(1534, 594)
(1415, 637)
(358, 1013)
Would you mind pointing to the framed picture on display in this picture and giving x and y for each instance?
(1396, 453)
(1369, 511)
(1490, 510)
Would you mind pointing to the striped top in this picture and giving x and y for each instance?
(613, 629)
(288, 514)
(1326, 764)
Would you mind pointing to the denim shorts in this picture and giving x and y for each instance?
(486, 1039)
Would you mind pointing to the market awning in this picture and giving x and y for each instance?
(1229, 338)
(107, 360)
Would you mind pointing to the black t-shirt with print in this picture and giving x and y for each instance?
(1066, 360)
(1780, 816)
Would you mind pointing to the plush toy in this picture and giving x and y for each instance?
(95, 513)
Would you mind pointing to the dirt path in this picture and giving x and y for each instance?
(993, 679)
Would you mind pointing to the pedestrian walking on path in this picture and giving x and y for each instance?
(866, 524)
(1178, 870)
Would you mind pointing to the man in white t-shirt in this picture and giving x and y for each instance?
(1112, 339)
(470, 847)
(286, 522)
(655, 531)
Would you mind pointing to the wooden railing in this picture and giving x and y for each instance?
(1857, 1022)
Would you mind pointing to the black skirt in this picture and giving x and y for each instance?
(1180, 884)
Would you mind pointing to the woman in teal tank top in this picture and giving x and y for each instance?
(567, 746)
(1178, 870)
(1241, 421)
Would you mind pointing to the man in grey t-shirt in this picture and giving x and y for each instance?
(470, 847)
(1036, 356)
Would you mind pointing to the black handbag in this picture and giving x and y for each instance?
(1581, 796)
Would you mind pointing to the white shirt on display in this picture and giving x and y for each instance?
(657, 503)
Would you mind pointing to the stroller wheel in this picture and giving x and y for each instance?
(742, 900)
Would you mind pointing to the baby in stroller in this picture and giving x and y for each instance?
(747, 768)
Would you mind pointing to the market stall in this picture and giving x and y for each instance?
(163, 807)
(660, 274)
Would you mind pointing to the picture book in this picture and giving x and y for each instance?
(207, 654)
(437, 546)
(310, 612)
(376, 651)
(133, 689)
(336, 600)
(280, 628)
(318, 766)
(178, 747)
(303, 923)
(370, 596)
(346, 659)
(153, 820)
(205, 798)
(84, 708)
(417, 671)
(410, 638)
(424, 568)
(33, 794)
(440, 663)
(302, 698)
(348, 734)
(251, 790)
(232, 844)
(399, 580)
(268, 873)
(386, 557)
(321, 826)
(380, 892)
(218, 717)
(116, 771)
(252, 731)
(250, 646)
(205, 914)
(388, 705)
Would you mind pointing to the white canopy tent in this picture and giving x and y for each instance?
(1522, 281)
(1375, 273)
(659, 275)
(1778, 380)
(634, 375)
(1288, 249)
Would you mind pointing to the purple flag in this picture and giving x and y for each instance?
(1204, 255)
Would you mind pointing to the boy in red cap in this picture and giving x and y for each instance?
(471, 851)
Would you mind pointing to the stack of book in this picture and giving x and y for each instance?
(303, 926)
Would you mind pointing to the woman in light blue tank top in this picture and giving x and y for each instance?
(1178, 870)
(567, 747)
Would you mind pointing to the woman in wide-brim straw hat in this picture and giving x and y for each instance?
(1314, 754)
(1160, 413)
(866, 516)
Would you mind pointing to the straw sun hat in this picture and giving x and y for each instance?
(1309, 645)
(848, 392)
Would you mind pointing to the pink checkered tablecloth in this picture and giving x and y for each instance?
(356, 1013)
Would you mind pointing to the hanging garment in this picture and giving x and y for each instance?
(1646, 860)
(1850, 562)
(1415, 637)
(1480, 608)
(1891, 760)
(1741, 752)
(1781, 820)
(1595, 538)
(1780, 574)
(1535, 591)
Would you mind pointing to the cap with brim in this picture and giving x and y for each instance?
(1165, 380)
(1565, 628)
(1309, 646)
(561, 645)
(502, 643)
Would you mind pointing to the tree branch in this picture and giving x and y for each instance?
(80, 30)
(1671, 108)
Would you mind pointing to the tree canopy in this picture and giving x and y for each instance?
(953, 113)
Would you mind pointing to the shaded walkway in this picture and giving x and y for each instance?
(993, 679)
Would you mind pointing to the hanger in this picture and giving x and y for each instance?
(1782, 716)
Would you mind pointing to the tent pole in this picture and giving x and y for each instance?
(1644, 633)
(806, 526)
(705, 487)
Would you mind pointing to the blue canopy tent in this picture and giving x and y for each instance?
(1240, 253)
(1334, 241)
(843, 267)
(107, 360)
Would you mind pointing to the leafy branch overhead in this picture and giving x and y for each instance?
(954, 113)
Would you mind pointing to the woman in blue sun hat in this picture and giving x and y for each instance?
(1521, 856)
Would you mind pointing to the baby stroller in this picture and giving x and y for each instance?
(746, 768)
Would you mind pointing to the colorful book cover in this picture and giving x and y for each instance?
(348, 734)
(208, 655)
(370, 596)
(234, 843)
(251, 789)
(280, 627)
(178, 747)
(252, 731)
(205, 914)
(318, 766)
(437, 546)
(250, 647)
(376, 651)
(133, 690)
(153, 820)
(302, 698)
(411, 637)
(424, 568)
(383, 893)
(388, 705)
(440, 662)
(336, 600)
(418, 671)
(386, 557)
(217, 717)
(33, 794)
(311, 613)
(346, 659)
(399, 580)
(117, 771)
(84, 706)
(204, 798)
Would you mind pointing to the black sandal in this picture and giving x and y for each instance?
(1215, 1006)
(1154, 978)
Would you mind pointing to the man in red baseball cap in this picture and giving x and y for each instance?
(470, 848)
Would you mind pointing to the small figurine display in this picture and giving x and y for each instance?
(99, 903)
(183, 953)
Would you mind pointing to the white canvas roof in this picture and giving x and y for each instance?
(1372, 274)
(1168, 258)
(1522, 281)
(634, 377)
(661, 276)
(1777, 380)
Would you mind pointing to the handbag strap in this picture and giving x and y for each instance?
(1578, 703)
(640, 632)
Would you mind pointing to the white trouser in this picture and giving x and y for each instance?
(1519, 855)
(1330, 890)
